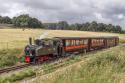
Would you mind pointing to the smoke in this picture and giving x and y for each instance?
(44, 35)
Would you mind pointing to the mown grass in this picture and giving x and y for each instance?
(103, 67)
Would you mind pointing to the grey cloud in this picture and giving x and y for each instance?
(108, 11)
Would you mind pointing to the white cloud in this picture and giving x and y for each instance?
(121, 16)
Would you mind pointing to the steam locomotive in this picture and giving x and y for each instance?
(45, 49)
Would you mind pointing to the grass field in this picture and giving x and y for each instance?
(103, 67)
(17, 38)
(14, 40)
(106, 66)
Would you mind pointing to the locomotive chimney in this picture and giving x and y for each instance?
(30, 41)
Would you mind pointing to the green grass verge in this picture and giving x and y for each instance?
(18, 76)
(9, 57)
(103, 67)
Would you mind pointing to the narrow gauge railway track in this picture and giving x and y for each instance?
(6, 70)
(57, 60)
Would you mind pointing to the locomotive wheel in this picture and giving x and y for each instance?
(34, 61)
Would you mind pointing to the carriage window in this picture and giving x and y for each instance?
(81, 42)
(97, 41)
(102, 40)
(67, 42)
(71, 42)
(77, 42)
(74, 42)
(85, 42)
(93, 41)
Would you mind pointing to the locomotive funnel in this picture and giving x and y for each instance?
(30, 41)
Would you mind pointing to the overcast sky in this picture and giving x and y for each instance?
(107, 11)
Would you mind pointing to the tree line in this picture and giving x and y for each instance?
(25, 20)
(88, 26)
(5, 20)
(22, 21)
